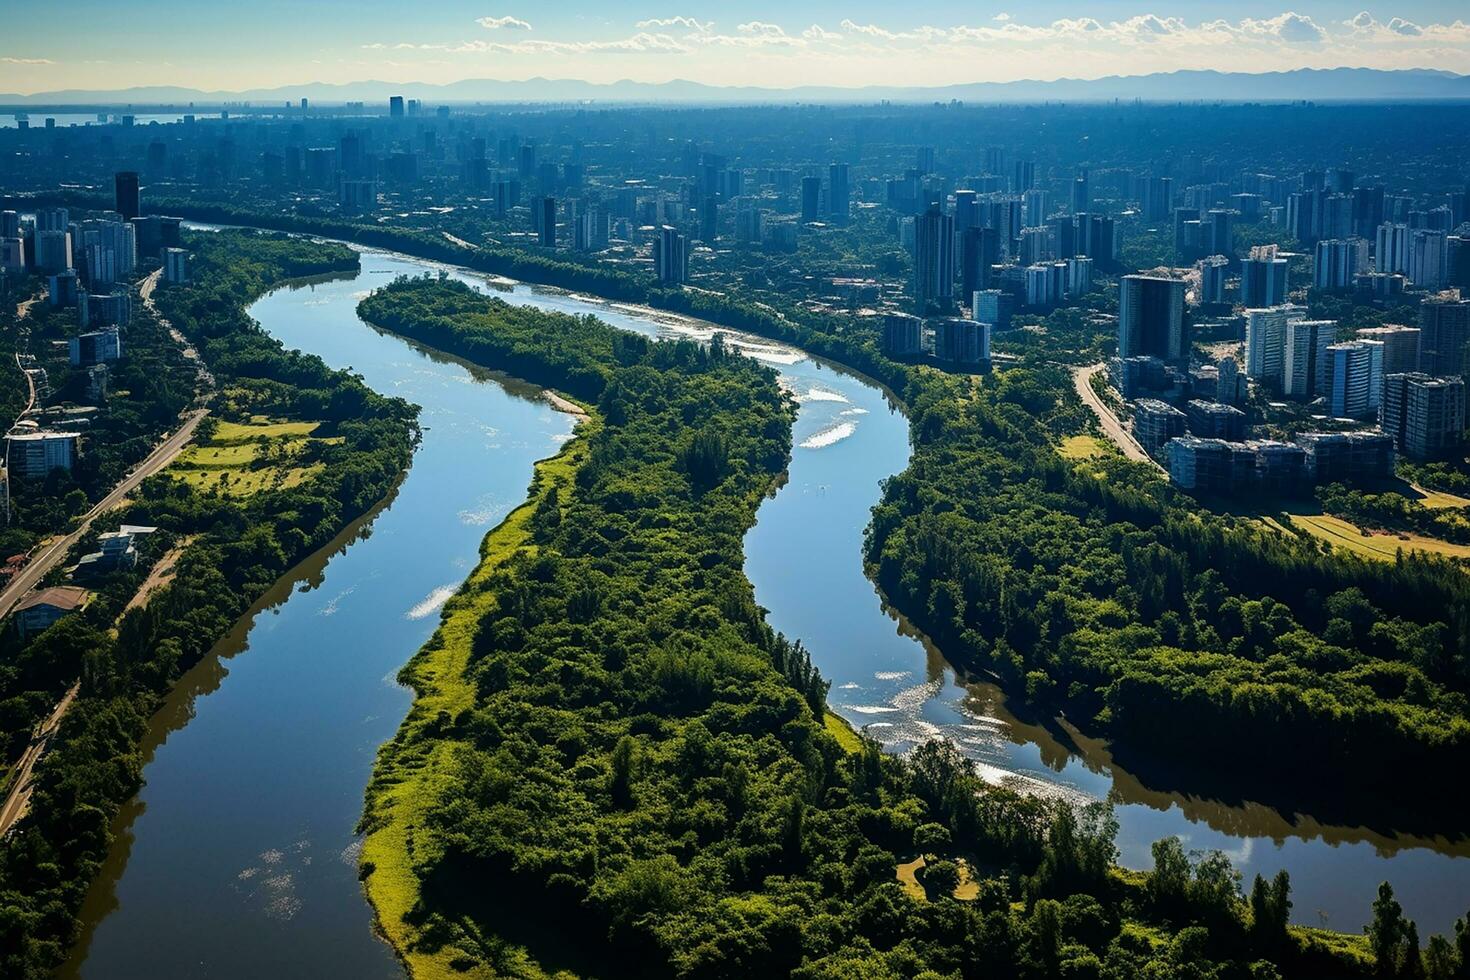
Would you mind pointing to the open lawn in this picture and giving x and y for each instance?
(1081, 447)
(1383, 547)
(229, 462)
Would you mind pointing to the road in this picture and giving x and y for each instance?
(18, 794)
(145, 292)
(161, 456)
(1114, 429)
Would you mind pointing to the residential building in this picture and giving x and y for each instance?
(1444, 329)
(125, 185)
(934, 261)
(993, 306)
(1338, 262)
(1355, 377)
(1213, 271)
(1400, 347)
(12, 253)
(1263, 278)
(1151, 317)
(1079, 276)
(1213, 420)
(1265, 345)
(36, 453)
(1155, 423)
(1391, 248)
(1304, 371)
(175, 266)
(1428, 251)
(1337, 456)
(671, 256)
(53, 251)
(1424, 415)
(95, 347)
(40, 609)
(961, 341)
(903, 335)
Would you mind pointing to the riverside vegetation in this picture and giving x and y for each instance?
(239, 545)
(609, 743)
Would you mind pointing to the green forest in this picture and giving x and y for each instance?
(615, 767)
(127, 660)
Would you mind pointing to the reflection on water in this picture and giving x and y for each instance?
(238, 858)
(804, 557)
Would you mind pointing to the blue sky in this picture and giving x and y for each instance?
(853, 42)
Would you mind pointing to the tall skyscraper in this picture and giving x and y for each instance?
(1391, 251)
(811, 199)
(1265, 345)
(934, 262)
(1444, 330)
(545, 212)
(979, 252)
(395, 106)
(1338, 262)
(1424, 415)
(1304, 373)
(1151, 317)
(839, 197)
(671, 256)
(1263, 279)
(1427, 258)
(1400, 347)
(125, 186)
(1356, 378)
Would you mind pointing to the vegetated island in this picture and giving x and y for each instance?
(613, 766)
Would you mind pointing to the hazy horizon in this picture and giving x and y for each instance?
(767, 45)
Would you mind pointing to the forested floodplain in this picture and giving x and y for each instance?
(614, 766)
(126, 658)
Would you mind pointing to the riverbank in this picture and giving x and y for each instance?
(240, 548)
(410, 769)
(1220, 810)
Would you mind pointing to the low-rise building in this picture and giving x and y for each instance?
(1336, 456)
(35, 454)
(1155, 423)
(1214, 420)
(40, 609)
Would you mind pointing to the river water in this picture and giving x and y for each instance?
(238, 858)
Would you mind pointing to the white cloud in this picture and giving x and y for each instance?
(503, 23)
(819, 33)
(26, 61)
(686, 22)
(1400, 26)
(1001, 17)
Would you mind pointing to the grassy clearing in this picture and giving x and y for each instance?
(1439, 500)
(1381, 547)
(230, 462)
(413, 768)
(839, 729)
(908, 876)
(1081, 447)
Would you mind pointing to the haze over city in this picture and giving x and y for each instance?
(272, 43)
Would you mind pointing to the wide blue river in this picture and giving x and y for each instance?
(238, 858)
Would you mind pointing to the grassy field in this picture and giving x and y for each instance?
(1383, 547)
(1081, 447)
(1438, 500)
(842, 731)
(230, 461)
(413, 766)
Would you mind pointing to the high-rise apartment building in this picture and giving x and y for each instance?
(1304, 371)
(1355, 372)
(1444, 330)
(1400, 347)
(1151, 317)
(1263, 278)
(125, 186)
(934, 261)
(1338, 262)
(671, 256)
(1265, 345)
(1424, 415)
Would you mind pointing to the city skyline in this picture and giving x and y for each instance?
(767, 45)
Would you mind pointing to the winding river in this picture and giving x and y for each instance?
(238, 858)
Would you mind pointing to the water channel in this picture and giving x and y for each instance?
(238, 857)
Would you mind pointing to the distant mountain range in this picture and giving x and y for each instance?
(1315, 84)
